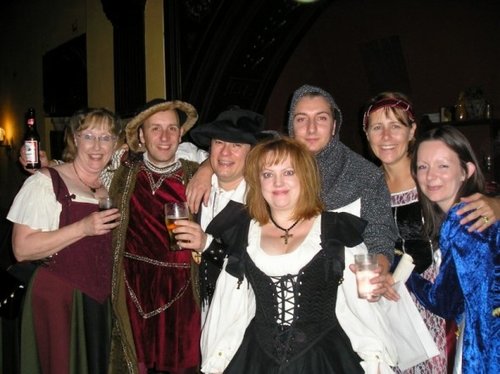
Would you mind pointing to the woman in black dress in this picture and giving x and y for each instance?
(275, 307)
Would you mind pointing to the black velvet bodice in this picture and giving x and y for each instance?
(285, 336)
(411, 238)
(294, 311)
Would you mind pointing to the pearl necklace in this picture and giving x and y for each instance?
(164, 172)
(160, 170)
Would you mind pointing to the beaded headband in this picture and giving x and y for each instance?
(391, 103)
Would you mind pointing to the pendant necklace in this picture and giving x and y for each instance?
(286, 235)
(164, 172)
(92, 189)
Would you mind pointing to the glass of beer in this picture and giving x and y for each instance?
(175, 211)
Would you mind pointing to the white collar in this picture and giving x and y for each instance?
(238, 194)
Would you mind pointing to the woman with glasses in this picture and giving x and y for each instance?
(57, 223)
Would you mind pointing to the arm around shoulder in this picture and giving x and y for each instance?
(480, 209)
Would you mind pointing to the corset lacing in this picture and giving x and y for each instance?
(287, 294)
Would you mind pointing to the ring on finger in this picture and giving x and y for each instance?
(485, 219)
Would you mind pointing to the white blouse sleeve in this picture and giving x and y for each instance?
(189, 151)
(35, 204)
(385, 334)
(231, 310)
(364, 322)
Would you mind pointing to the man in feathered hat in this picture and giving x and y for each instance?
(157, 317)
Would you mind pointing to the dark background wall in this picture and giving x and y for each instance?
(429, 49)
(445, 47)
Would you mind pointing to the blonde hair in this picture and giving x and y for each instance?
(275, 151)
(85, 119)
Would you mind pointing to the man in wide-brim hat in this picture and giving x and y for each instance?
(234, 125)
(230, 137)
(179, 108)
(154, 296)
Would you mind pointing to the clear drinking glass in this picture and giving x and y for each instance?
(366, 264)
(175, 211)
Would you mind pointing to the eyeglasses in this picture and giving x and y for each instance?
(91, 138)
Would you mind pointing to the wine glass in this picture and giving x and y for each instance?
(106, 203)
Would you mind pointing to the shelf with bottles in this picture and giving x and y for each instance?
(494, 122)
(492, 184)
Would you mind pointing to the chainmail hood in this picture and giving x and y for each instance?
(308, 90)
(347, 177)
(331, 159)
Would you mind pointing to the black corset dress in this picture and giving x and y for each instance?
(295, 329)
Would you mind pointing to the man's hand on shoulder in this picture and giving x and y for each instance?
(198, 188)
(482, 210)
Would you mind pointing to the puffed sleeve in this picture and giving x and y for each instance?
(231, 310)
(35, 204)
(189, 151)
(384, 333)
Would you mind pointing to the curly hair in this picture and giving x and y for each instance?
(84, 119)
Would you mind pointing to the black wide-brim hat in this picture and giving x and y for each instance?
(233, 126)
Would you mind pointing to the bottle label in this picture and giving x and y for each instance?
(31, 147)
(31, 121)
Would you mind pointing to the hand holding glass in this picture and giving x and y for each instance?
(175, 211)
(366, 264)
(106, 203)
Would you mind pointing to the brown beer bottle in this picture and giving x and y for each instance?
(32, 141)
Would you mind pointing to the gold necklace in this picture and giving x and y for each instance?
(92, 189)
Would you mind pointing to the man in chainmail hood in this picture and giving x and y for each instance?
(349, 181)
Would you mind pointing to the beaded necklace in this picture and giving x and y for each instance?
(164, 172)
